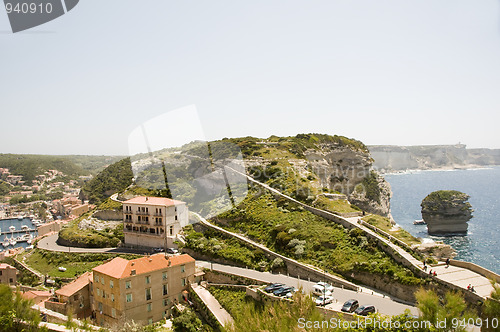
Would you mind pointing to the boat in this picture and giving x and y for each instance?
(25, 237)
(12, 228)
(25, 227)
(20, 217)
(29, 247)
(419, 222)
(62, 269)
(6, 242)
(36, 223)
(12, 241)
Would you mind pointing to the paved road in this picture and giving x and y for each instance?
(213, 305)
(49, 243)
(384, 304)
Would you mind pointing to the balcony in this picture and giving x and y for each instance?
(158, 214)
(142, 213)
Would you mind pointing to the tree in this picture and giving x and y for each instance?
(491, 308)
(447, 310)
(187, 321)
(16, 313)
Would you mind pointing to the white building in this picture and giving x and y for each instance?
(150, 221)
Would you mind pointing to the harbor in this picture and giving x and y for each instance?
(18, 232)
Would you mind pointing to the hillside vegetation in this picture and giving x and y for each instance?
(113, 178)
(31, 165)
(292, 231)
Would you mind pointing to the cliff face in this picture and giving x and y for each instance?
(339, 168)
(348, 171)
(363, 196)
(397, 158)
(446, 212)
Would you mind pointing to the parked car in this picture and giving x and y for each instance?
(289, 295)
(158, 249)
(172, 251)
(350, 305)
(273, 287)
(283, 291)
(323, 300)
(365, 310)
(322, 288)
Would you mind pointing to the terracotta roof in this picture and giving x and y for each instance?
(153, 201)
(74, 286)
(6, 266)
(33, 294)
(122, 268)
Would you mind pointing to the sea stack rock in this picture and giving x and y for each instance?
(446, 212)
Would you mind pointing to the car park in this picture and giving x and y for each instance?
(323, 300)
(365, 310)
(350, 305)
(273, 287)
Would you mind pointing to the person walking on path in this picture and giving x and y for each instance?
(447, 262)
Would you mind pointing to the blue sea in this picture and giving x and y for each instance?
(482, 244)
(5, 232)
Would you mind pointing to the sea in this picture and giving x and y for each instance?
(5, 232)
(482, 243)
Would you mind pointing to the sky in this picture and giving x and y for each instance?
(384, 72)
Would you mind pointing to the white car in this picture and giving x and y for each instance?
(323, 300)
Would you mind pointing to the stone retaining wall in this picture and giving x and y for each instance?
(476, 268)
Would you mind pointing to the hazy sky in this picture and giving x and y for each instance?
(384, 72)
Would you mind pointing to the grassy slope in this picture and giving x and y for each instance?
(384, 224)
(291, 231)
(47, 262)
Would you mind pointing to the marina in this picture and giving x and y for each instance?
(17, 232)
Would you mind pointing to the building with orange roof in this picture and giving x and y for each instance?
(8, 274)
(74, 297)
(38, 297)
(142, 289)
(153, 221)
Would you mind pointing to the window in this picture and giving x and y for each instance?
(129, 297)
(175, 217)
(11, 280)
(165, 289)
(183, 268)
(148, 294)
(1, 273)
(100, 306)
(112, 297)
(102, 280)
(150, 306)
(150, 320)
(171, 230)
(111, 284)
(165, 314)
(98, 292)
(165, 302)
(164, 275)
(183, 282)
(103, 294)
(148, 279)
(113, 312)
(139, 218)
(128, 285)
(75, 298)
